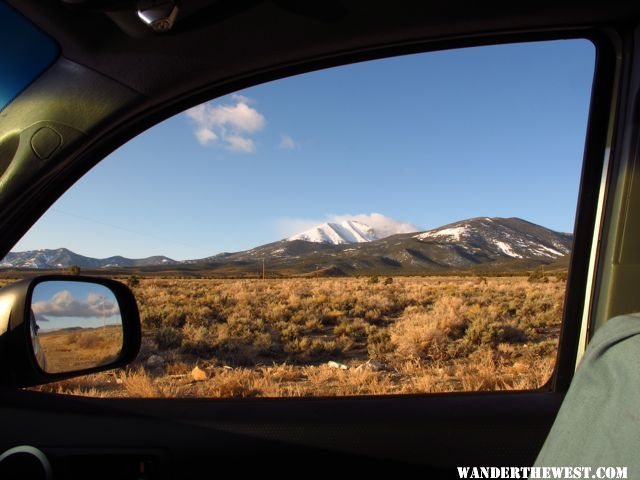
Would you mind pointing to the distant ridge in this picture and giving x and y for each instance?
(352, 248)
(63, 258)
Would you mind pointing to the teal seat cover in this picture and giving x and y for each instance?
(598, 424)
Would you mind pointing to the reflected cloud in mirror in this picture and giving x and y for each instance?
(74, 325)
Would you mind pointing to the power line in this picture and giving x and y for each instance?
(128, 230)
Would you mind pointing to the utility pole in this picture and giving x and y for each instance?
(263, 273)
(104, 320)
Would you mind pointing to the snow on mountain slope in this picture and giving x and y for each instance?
(360, 229)
(511, 237)
(347, 231)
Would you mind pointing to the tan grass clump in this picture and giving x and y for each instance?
(273, 338)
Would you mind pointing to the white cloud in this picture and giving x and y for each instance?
(287, 227)
(239, 117)
(198, 113)
(287, 143)
(238, 143)
(205, 135)
(64, 304)
(231, 123)
(384, 225)
(241, 98)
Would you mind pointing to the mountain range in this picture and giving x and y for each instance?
(351, 247)
(63, 258)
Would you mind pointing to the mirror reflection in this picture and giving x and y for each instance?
(74, 325)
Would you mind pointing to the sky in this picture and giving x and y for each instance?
(425, 139)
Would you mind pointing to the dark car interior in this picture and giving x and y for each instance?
(116, 76)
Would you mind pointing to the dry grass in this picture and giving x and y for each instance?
(275, 337)
(78, 349)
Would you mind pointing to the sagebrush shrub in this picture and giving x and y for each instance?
(168, 338)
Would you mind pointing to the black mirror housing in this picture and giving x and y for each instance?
(19, 366)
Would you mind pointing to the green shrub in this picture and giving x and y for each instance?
(174, 318)
(379, 345)
(483, 332)
(168, 338)
(73, 270)
(538, 276)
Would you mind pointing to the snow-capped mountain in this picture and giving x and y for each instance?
(363, 228)
(347, 231)
(486, 244)
(511, 237)
(63, 258)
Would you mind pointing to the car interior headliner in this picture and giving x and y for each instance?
(214, 41)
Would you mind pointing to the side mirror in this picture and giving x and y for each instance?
(56, 327)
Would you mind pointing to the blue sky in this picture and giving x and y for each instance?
(426, 139)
